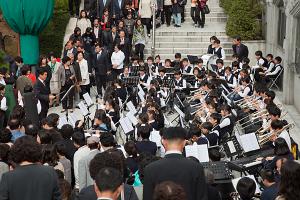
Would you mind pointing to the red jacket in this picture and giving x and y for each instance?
(202, 3)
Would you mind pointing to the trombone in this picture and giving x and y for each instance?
(263, 139)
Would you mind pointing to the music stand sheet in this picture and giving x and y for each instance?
(249, 142)
(88, 99)
(198, 151)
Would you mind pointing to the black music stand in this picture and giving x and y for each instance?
(193, 59)
(65, 96)
(228, 149)
(132, 80)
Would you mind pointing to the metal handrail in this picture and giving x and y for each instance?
(153, 30)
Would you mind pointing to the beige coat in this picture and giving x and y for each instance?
(55, 83)
(145, 8)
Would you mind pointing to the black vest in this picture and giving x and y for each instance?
(274, 68)
(218, 52)
(227, 129)
(145, 79)
(179, 83)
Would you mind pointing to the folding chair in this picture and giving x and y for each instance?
(274, 80)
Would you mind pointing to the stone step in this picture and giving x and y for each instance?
(192, 51)
(176, 44)
(195, 32)
(208, 19)
(212, 14)
(190, 39)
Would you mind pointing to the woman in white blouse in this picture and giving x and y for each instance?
(83, 22)
(84, 70)
(117, 61)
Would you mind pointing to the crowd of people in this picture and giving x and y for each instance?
(39, 160)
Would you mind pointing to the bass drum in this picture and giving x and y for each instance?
(208, 60)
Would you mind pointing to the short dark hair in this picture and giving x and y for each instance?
(108, 179)
(274, 110)
(144, 131)
(277, 124)
(216, 116)
(177, 55)
(279, 59)
(280, 147)
(78, 138)
(5, 136)
(214, 155)
(220, 61)
(131, 149)
(270, 55)
(271, 94)
(246, 188)
(2, 87)
(107, 139)
(150, 58)
(173, 133)
(31, 129)
(4, 151)
(19, 59)
(14, 124)
(237, 37)
(66, 131)
(52, 120)
(207, 125)
(42, 71)
(65, 59)
(169, 190)
(267, 174)
(25, 149)
(245, 79)
(25, 69)
(259, 53)
(44, 136)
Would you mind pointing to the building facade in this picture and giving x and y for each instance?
(283, 39)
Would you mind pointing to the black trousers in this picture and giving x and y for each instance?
(116, 73)
(2, 119)
(139, 50)
(147, 23)
(67, 102)
(193, 14)
(168, 14)
(200, 17)
(84, 89)
(77, 3)
(101, 83)
(44, 111)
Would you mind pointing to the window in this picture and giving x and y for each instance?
(281, 24)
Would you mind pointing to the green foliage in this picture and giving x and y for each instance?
(3, 63)
(51, 39)
(243, 18)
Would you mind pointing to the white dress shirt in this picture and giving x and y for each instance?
(84, 70)
(117, 58)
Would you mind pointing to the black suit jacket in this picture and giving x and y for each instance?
(176, 168)
(243, 53)
(124, 47)
(107, 40)
(30, 182)
(42, 93)
(146, 146)
(88, 193)
(101, 63)
(117, 10)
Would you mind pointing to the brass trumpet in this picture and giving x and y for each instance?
(263, 139)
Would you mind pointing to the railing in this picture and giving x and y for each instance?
(153, 30)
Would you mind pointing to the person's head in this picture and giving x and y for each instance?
(66, 60)
(268, 177)
(280, 147)
(106, 11)
(49, 155)
(277, 60)
(225, 110)
(83, 14)
(96, 22)
(246, 188)
(185, 62)
(206, 127)
(212, 39)
(131, 149)
(108, 183)
(80, 56)
(270, 57)
(157, 59)
(245, 61)
(66, 131)
(2, 89)
(215, 119)
(178, 56)
(141, 71)
(5, 136)
(18, 60)
(25, 70)
(138, 22)
(101, 118)
(14, 124)
(122, 34)
(107, 140)
(150, 60)
(32, 130)
(117, 48)
(114, 29)
(78, 139)
(168, 190)
(220, 63)
(214, 155)
(290, 180)
(44, 137)
(217, 43)
(98, 47)
(177, 75)
(276, 125)
(245, 81)
(60, 148)
(126, 70)
(42, 74)
(52, 120)
(121, 24)
(144, 131)
(258, 55)
(237, 40)
(93, 142)
(168, 63)
(69, 45)
(25, 149)
(4, 151)
(173, 138)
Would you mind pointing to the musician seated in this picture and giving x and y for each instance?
(208, 136)
(243, 74)
(168, 63)
(278, 130)
(227, 122)
(281, 150)
(125, 73)
(145, 145)
(215, 119)
(199, 64)
(144, 78)
(236, 69)
(101, 121)
(153, 70)
(134, 65)
(186, 68)
(271, 188)
(230, 78)
(162, 75)
(177, 62)
(273, 72)
(112, 110)
(220, 64)
(242, 92)
(180, 83)
(158, 63)
(245, 65)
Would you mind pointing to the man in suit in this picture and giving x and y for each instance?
(174, 167)
(109, 37)
(84, 176)
(42, 92)
(117, 10)
(102, 68)
(29, 180)
(240, 49)
(96, 8)
(124, 44)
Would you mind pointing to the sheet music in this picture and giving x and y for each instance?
(126, 125)
(155, 137)
(249, 142)
(62, 121)
(73, 119)
(88, 99)
(131, 107)
(83, 108)
(198, 151)
(236, 180)
(179, 111)
(141, 89)
(231, 147)
(141, 95)
(132, 118)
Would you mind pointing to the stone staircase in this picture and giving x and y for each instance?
(190, 40)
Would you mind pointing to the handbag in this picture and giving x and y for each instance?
(206, 9)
